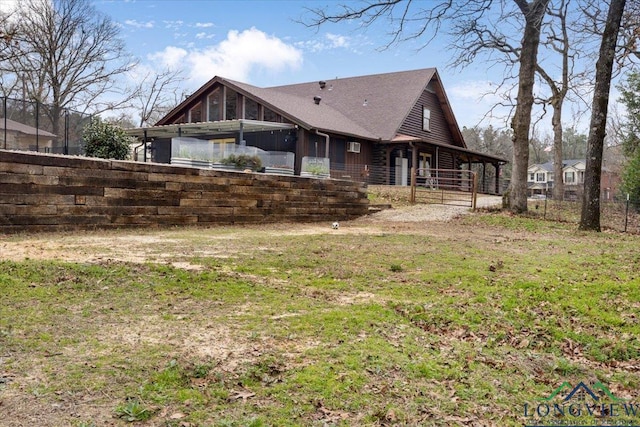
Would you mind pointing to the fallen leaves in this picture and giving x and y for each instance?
(241, 395)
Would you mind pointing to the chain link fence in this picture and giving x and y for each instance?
(617, 215)
(33, 126)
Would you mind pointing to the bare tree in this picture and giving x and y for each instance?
(9, 35)
(156, 95)
(539, 148)
(473, 32)
(558, 39)
(590, 216)
(67, 56)
(533, 13)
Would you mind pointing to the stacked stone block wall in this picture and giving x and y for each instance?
(48, 193)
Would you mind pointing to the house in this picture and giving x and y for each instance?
(18, 136)
(373, 128)
(540, 180)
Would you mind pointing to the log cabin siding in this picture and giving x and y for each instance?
(439, 132)
(446, 161)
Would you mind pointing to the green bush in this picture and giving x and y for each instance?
(106, 141)
(243, 161)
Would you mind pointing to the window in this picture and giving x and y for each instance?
(540, 177)
(424, 166)
(231, 105)
(195, 114)
(569, 177)
(213, 102)
(532, 176)
(270, 116)
(250, 109)
(580, 177)
(426, 119)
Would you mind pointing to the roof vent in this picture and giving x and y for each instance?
(317, 100)
(322, 84)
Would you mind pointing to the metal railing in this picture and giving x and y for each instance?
(619, 214)
(444, 186)
(34, 126)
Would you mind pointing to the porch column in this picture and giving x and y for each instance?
(484, 176)
(497, 166)
(414, 158)
(388, 151)
(144, 156)
(242, 141)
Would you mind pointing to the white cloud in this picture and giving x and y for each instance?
(173, 25)
(328, 41)
(136, 24)
(203, 35)
(204, 24)
(172, 57)
(236, 57)
(337, 40)
(8, 6)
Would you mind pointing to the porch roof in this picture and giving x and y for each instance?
(473, 156)
(206, 128)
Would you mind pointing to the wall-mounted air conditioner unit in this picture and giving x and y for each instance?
(353, 147)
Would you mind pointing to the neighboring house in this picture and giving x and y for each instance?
(541, 179)
(372, 127)
(18, 136)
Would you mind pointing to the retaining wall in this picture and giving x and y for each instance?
(49, 192)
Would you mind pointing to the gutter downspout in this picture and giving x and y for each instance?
(326, 137)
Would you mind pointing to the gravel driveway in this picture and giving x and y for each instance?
(431, 212)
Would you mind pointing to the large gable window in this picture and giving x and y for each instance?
(426, 119)
(270, 116)
(250, 109)
(215, 106)
(195, 114)
(231, 105)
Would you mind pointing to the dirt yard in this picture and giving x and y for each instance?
(142, 245)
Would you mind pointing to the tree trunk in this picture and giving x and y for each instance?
(533, 13)
(558, 176)
(590, 217)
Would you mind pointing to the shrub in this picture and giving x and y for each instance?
(106, 141)
(243, 161)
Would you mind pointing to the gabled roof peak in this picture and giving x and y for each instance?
(371, 106)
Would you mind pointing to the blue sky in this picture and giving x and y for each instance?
(260, 42)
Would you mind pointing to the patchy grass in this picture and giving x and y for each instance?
(458, 323)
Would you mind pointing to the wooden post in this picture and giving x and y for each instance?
(413, 184)
(474, 193)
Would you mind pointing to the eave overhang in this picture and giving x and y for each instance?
(470, 154)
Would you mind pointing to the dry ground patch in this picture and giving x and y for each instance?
(412, 316)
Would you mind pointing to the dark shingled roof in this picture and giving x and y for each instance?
(371, 107)
(388, 97)
(303, 108)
